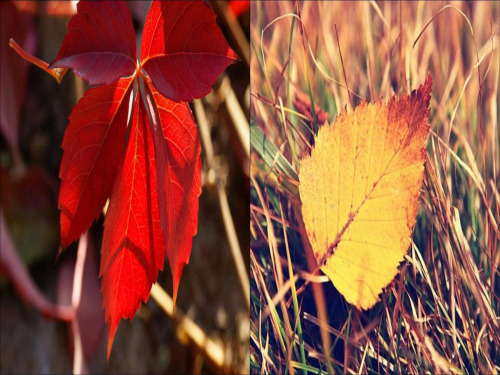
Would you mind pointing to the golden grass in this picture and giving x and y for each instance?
(441, 313)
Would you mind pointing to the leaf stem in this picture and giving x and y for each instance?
(57, 73)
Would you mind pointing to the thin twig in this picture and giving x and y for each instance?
(234, 244)
(237, 115)
(224, 205)
(212, 351)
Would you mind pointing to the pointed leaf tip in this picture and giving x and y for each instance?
(112, 327)
(176, 278)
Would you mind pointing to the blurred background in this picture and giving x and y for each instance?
(209, 332)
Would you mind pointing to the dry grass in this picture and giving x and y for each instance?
(441, 313)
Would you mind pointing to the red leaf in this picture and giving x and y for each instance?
(154, 193)
(178, 164)
(183, 50)
(100, 43)
(93, 145)
(133, 250)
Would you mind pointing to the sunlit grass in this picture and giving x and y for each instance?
(441, 313)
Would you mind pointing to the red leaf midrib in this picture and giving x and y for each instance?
(135, 161)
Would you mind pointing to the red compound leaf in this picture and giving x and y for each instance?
(155, 183)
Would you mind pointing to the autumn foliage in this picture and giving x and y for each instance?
(144, 157)
(359, 191)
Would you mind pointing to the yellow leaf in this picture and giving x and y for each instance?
(359, 191)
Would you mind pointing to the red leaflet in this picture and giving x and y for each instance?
(100, 43)
(132, 250)
(178, 150)
(183, 50)
(155, 184)
(93, 145)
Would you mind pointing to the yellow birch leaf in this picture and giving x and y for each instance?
(359, 190)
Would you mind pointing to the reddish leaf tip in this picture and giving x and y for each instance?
(176, 278)
(112, 327)
(174, 299)
(238, 7)
(232, 55)
(60, 249)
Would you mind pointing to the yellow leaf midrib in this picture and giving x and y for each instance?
(352, 214)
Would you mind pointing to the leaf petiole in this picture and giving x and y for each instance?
(57, 73)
